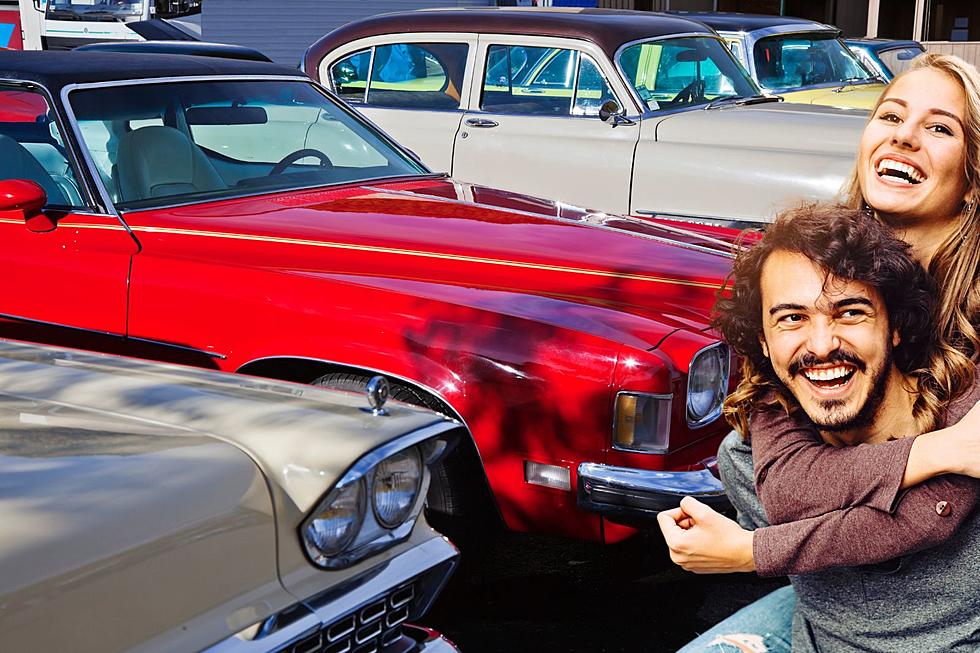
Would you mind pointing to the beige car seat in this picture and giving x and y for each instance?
(160, 161)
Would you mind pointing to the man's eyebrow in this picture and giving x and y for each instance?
(941, 112)
(786, 307)
(853, 301)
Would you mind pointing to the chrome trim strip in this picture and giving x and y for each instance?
(600, 224)
(212, 354)
(20, 318)
(111, 334)
(404, 567)
(630, 493)
(367, 82)
(716, 412)
(735, 223)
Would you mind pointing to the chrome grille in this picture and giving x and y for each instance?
(372, 628)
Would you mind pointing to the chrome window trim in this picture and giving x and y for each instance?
(73, 160)
(653, 395)
(646, 112)
(340, 104)
(716, 413)
(367, 82)
(333, 87)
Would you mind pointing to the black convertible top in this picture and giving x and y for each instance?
(56, 69)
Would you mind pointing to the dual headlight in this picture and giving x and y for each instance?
(642, 421)
(369, 509)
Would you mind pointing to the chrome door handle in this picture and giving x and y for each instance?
(481, 122)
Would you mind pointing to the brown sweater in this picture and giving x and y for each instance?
(822, 500)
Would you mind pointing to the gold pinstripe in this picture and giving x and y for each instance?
(388, 250)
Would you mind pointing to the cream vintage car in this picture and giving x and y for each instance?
(619, 111)
(149, 507)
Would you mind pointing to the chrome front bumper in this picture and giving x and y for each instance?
(639, 494)
(367, 613)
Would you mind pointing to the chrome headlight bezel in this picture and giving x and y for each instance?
(657, 408)
(428, 445)
(718, 389)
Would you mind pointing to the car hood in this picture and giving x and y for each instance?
(852, 96)
(773, 126)
(617, 277)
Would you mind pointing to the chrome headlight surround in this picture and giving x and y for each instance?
(707, 384)
(371, 534)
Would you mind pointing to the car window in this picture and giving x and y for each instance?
(900, 59)
(348, 77)
(797, 61)
(407, 75)
(671, 73)
(155, 144)
(31, 147)
(592, 90)
(542, 81)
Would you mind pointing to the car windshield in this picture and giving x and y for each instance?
(682, 72)
(111, 10)
(177, 142)
(796, 61)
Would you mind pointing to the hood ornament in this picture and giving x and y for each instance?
(378, 390)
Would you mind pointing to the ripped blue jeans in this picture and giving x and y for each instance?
(765, 626)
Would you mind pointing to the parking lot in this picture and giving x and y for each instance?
(541, 594)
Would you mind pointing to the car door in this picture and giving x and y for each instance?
(413, 86)
(66, 285)
(534, 126)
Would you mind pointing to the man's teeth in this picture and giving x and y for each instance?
(900, 171)
(827, 374)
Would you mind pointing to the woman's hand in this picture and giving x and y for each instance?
(704, 541)
(952, 450)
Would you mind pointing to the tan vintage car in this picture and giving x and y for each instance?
(620, 111)
(159, 508)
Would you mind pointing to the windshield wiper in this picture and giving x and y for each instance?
(741, 100)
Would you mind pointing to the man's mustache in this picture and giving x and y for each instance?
(839, 355)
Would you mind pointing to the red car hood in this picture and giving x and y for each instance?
(616, 277)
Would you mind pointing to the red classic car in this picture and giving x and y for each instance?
(234, 215)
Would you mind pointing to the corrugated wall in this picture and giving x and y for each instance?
(969, 50)
(284, 28)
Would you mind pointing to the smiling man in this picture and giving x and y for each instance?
(834, 319)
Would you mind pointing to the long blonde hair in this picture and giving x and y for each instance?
(956, 264)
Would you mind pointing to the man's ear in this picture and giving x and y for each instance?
(765, 347)
(896, 338)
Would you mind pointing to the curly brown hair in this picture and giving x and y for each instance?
(848, 244)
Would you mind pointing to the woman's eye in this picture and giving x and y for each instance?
(889, 117)
(940, 129)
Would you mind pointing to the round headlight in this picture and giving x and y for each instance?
(397, 480)
(706, 384)
(335, 525)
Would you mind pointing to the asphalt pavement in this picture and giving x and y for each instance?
(529, 593)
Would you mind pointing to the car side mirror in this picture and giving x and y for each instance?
(26, 199)
(611, 114)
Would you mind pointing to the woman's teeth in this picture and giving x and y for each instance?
(898, 171)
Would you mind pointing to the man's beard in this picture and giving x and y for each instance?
(868, 411)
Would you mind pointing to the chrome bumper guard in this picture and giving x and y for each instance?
(639, 494)
(367, 614)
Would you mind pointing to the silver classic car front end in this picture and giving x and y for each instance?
(173, 507)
